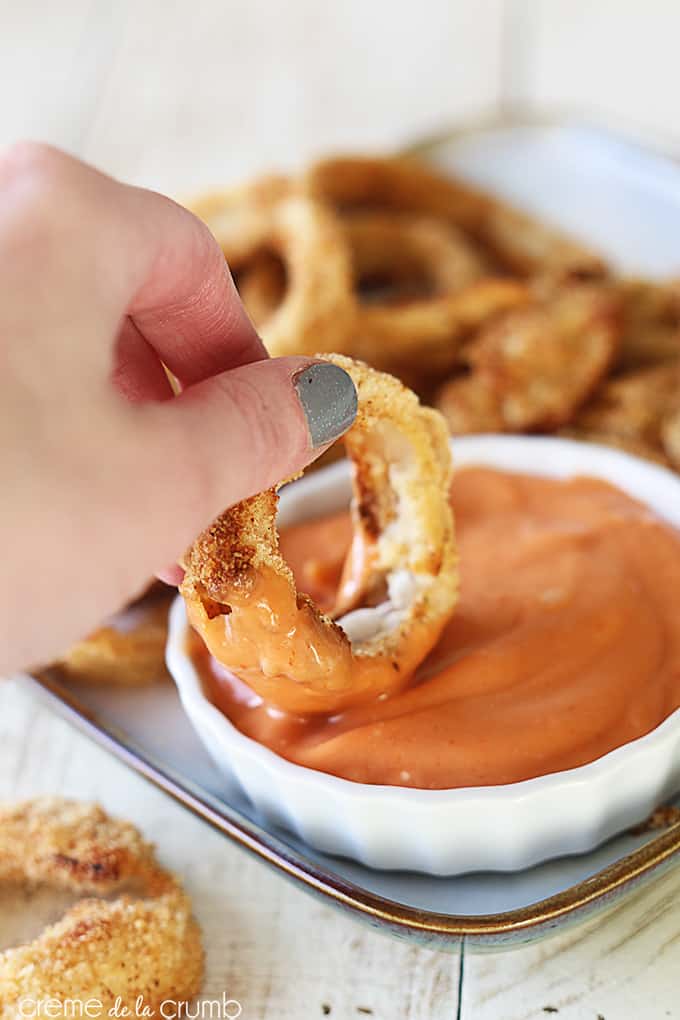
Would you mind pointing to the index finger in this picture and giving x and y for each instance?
(132, 254)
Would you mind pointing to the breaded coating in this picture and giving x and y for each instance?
(272, 217)
(142, 941)
(126, 651)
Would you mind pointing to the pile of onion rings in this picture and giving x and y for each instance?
(400, 584)
(141, 943)
(498, 318)
(398, 282)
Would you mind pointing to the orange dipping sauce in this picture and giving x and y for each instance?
(564, 645)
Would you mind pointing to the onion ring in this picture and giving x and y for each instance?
(317, 307)
(637, 447)
(470, 404)
(420, 337)
(528, 246)
(670, 437)
(241, 596)
(262, 287)
(238, 217)
(404, 184)
(128, 650)
(634, 406)
(515, 239)
(545, 361)
(406, 250)
(651, 324)
(143, 944)
(423, 339)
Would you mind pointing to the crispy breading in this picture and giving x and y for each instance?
(403, 183)
(470, 404)
(634, 405)
(544, 361)
(651, 323)
(424, 339)
(144, 942)
(518, 241)
(270, 216)
(261, 284)
(670, 436)
(127, 651)
(524, 244)
(417, 256)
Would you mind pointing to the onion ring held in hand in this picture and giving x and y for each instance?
(267, 217)
(241, 596)
(143, 943)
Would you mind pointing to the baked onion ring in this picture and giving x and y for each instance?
(400, 183)
(436, 293)
(262, 287)
(423, 339)
(634, 405)
(414, 256)
(651, 323)
(142, 943)
(515, 239)
(534, 367)
(241, 596)
(528, 246)
(317, 306)
(470, 404)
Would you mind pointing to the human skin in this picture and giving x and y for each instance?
(105, 476)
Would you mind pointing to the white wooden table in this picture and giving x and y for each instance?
(179, 94)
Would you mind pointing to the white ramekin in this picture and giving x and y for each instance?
(446, 832)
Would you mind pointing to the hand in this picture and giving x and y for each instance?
(105, 476)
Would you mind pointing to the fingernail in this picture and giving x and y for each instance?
(329, 400)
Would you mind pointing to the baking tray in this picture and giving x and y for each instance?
(624, 199)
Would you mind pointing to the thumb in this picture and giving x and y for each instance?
(236, 434)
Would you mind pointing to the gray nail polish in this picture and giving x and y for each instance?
(329, 400)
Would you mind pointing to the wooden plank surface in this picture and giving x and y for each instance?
(622, 966)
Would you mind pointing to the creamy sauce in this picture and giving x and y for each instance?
(564, 645)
